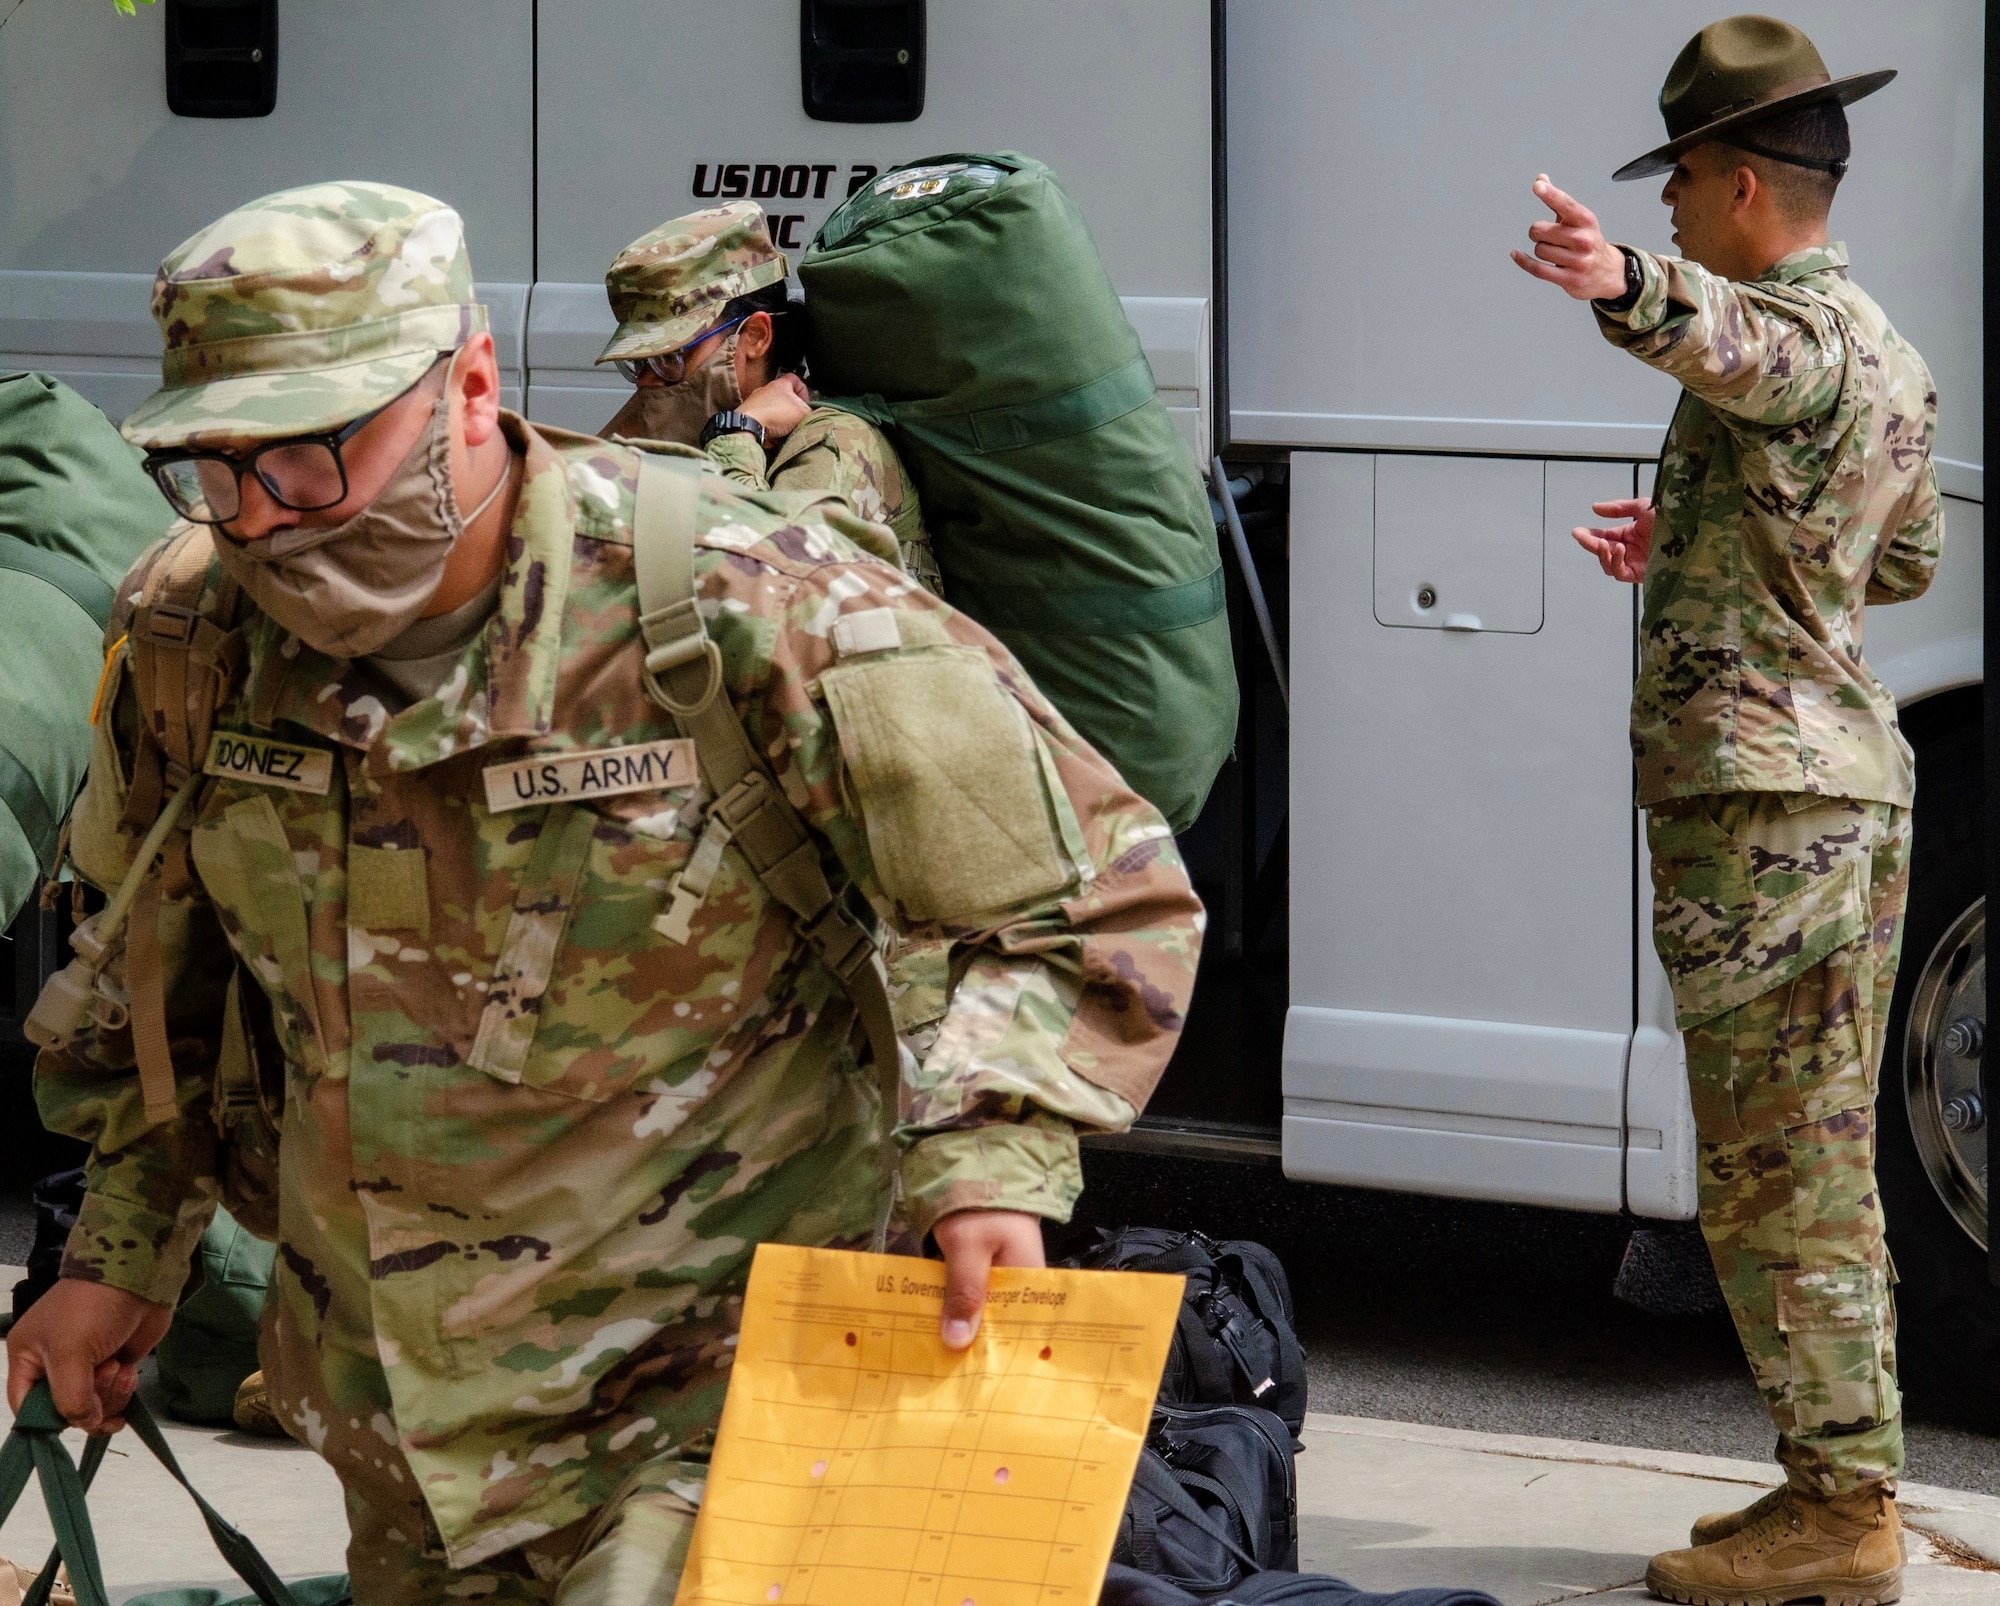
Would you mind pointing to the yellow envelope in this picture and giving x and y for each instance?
(861, 1463)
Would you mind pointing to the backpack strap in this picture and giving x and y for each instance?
(683, 675)
(185, 654)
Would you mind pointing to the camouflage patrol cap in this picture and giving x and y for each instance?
(666, 287)
(303, 310)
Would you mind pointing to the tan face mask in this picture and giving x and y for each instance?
(355, 586)
(678, 412)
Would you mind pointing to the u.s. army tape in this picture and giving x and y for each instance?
(598, 772)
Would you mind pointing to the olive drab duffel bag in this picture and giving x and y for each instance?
(35, 1449)
(961, 306)
(76, 510)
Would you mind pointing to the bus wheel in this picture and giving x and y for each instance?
(1930, 1116)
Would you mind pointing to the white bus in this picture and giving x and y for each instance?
(1429, 966)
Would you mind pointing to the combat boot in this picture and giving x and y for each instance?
(1721, 1524)
(1847, 1551)
(252, 1411)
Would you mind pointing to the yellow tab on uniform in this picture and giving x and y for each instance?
(269, 763)
(600, 772)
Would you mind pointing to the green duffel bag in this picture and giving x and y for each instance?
(212, 1346)
(76, 510)
(35, 1449)
(961, 306)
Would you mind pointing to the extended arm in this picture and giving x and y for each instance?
(1764, 353)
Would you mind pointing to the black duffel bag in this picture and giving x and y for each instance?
(1126, 1586)
(1213, 1500)
(1234, 1340)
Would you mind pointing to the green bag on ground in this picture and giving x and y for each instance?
(212, 1346)
(961, 306)
(76, 510)
(35, 1449)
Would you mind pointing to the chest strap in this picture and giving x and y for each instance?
(683, 675)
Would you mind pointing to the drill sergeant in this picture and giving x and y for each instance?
(703, 337)
(1794, 488)
(528, 1010)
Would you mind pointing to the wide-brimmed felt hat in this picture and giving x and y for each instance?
(670, 285)
(1740, 71)
(303, 310)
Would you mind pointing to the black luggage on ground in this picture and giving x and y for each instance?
(1213, 1500)
(57, 1200)
(1234, 1340)
(1125, 1586)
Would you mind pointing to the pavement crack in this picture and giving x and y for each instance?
(1587, 1594)
(1955, 1551)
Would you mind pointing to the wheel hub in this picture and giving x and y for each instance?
(1941, 1051)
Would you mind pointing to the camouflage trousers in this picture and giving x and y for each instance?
(1779, 920)
(627, 1553)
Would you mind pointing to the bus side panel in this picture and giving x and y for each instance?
(102, 180)
(649, 111)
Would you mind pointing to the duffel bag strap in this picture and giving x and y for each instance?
(36, 1446)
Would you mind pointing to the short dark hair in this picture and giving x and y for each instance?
(788, 347)
(1815, 133)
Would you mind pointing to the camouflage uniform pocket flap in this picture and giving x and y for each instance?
(1831, 1298)
(943, 764)
(388, 889)
(1743, 958)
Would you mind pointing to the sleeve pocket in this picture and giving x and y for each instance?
(942, 766)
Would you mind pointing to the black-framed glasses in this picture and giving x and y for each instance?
(670, 367)
(305, 473)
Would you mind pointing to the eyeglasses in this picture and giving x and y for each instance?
(670, 368)
(305, 473)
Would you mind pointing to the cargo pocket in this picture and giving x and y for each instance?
(1722, 944)
(1835, 1326)
(943, 765)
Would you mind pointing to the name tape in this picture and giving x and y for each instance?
(600, 772)
(269, 763)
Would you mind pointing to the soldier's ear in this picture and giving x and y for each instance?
(476, 381)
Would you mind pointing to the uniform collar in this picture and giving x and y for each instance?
(505, 682)
(1828, 258)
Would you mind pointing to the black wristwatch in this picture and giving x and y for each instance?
(732, 423)
(1635, 281)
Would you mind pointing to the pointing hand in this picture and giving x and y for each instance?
(1571, 251)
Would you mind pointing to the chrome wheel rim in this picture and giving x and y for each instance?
(1941, 1050)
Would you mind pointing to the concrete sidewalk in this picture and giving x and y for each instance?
(1383, 1504)
(1390, 1505)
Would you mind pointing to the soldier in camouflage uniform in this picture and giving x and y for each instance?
(695, 300)
(1795, 487)
(532, 1131)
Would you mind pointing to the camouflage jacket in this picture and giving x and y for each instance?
(1795, 486)
(833, 450)
(503, 1280)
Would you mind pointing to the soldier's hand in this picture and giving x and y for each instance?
(1571, 251)
(779, 406)
(87, 1339)
(1620, 549)
(974, 1242)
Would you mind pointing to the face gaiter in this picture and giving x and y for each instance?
(351, 587)
(678, 412)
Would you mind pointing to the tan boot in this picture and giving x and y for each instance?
(1847, 1551)
(252, 1409)
(1721, 1524)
